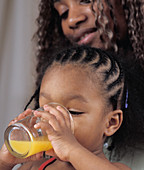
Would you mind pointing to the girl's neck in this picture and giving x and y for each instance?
(58, 164)
(100, 154)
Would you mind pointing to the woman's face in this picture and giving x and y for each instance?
(78, 21)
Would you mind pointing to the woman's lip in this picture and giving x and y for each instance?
(87, 38)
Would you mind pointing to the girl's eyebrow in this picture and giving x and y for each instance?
(68, 98)
(77, 97)
(45, 95)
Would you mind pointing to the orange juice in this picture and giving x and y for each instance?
(23, 140)
(29, 148)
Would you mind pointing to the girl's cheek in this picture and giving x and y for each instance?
(76, 129)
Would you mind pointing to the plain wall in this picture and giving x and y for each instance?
(17, 57)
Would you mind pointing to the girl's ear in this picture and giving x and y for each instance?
(113, 122)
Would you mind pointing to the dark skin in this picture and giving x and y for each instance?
(78, 21)
(87, 105)
(7, 161)
(75, 27)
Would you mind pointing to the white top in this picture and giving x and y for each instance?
(133, 159)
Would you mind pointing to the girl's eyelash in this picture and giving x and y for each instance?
(85, 1)
(75, 112)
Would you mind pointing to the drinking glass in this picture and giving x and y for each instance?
(23, 140)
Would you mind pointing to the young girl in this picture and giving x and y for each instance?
(91, 84)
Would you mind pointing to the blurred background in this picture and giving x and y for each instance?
(17, 57)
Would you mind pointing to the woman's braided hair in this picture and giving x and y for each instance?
(113, 84)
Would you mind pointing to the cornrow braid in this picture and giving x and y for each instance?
(100, 62)
(115, 80)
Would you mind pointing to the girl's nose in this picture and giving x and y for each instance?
(76, 18)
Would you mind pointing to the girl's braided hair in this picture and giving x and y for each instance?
(49, 35)
(115, 83)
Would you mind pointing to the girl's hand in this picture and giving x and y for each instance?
(56, 123)
(7, 160)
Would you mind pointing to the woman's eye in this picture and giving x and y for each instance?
(85, 1)
(64, 15)
(75, 112)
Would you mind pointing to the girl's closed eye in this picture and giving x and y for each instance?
(75, 112)
(85, 1)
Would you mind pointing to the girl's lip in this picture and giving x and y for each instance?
(87, 38)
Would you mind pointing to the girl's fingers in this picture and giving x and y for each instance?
(51, 153)
(62, 114)
(67, 116)
(45, 126)
(24, 114)
(49, 118)
(59, 116)
(33, 121)
(21, 116)
(12, 122)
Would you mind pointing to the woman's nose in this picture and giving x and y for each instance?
(76, 18)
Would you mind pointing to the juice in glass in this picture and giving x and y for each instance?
(23, 140)
(32, 147)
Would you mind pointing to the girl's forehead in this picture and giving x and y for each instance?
(69, 67)
(75, 71)
(71, 77)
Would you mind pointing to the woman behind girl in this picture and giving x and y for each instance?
(91, 84)
(116, 24)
